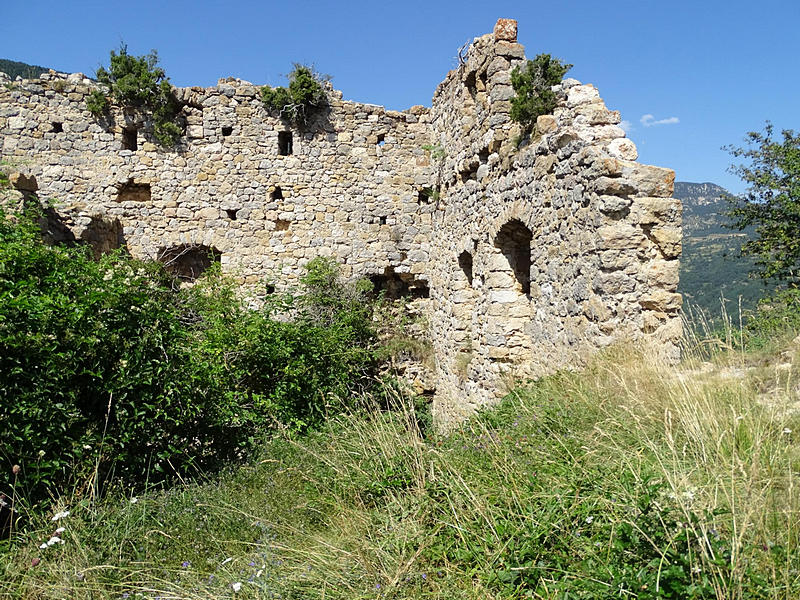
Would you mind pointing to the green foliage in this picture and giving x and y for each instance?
(607, 483)
(438, 153)
(771, 203)
(15, 69)
(109, 369)
(97, 103)
(532, 84)
(301, 101)
(775, 315)
(138, 82)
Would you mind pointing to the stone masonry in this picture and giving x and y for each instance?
(524, 259)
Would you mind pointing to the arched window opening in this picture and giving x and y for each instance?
(514, 242)
(189, 261)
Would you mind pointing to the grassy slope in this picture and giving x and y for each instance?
(627, 480)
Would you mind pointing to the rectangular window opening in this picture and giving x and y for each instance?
(381, 139)
(56, 127)
(227, 130)
(130, 139)
(284, 143)
(231, 213)
(276, 194)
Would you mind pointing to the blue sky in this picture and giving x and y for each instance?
(687, 76)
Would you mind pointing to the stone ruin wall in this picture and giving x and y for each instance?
(534, 257)
(349, 188)
(549, 251)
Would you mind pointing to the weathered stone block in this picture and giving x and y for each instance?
(620, 236)
(668, 240)
(661, 300)
(623, 148)
(505, 30)
(650, 180)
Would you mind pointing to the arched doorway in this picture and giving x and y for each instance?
(508, 285)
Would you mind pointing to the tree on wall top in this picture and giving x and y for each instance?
(532, 84)
(298, 103)
(771, 203)
(138, 82)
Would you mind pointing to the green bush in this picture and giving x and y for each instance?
(775, 315)
(97, 103)
(138, 82)
(301, 101)
(532, 84)
(109, 369)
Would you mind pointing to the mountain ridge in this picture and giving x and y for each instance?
(712, 267)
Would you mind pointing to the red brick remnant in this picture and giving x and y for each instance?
(505, 30)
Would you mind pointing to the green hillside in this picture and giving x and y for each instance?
(15, 69)
(711, 265)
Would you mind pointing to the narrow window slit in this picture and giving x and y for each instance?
(465, 262)
(284, 143)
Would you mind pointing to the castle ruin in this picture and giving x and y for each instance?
(524, 259)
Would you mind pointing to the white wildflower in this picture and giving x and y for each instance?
(589, 519)
(134, 500)
(43, 546)
(236, 586)
(226, 561)
(787, 431)
(61, 530)
(54, 540)
(60, 515)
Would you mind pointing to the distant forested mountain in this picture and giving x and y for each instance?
(13, 68)
(711, 265)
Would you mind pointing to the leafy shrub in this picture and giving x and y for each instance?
(97, 103)
(776, 314)
(532, 84)
(304, 98)
(138, 82)
(108, 368)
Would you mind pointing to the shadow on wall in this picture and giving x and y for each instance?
(102, 235)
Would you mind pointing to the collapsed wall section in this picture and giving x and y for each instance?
(545, 252)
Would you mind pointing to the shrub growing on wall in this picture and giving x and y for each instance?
(304, 98)
(138, 82)
(532, 84)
